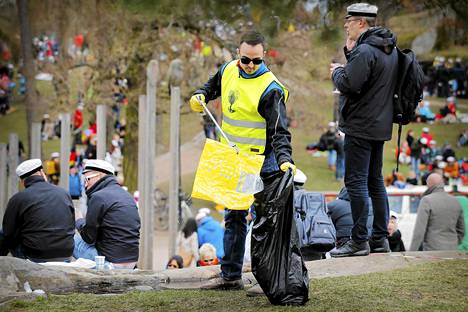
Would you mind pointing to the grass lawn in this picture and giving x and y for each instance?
(441, 286)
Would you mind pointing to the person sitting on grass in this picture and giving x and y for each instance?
(176, 262)
(207, 255)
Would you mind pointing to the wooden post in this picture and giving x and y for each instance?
(13, 162)
(3, 179)
(65, 147)
(174, 182)
(35, 140)
(142, 182)
(101, 131)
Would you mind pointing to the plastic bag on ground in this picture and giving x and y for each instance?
(226, 177)
(277, 263)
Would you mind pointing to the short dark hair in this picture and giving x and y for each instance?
(253, 38)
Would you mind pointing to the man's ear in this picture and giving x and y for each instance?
(238, 52)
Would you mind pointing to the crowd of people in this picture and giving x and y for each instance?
(46, 48)
(447, 77)
(360, 214)
(424, 156)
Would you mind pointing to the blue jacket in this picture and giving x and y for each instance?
(210, 231)
(75, 185)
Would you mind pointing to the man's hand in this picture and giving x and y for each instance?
(286, 165)
(195, 104)
(334, 66)
(350, 44)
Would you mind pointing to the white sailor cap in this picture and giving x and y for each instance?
(300, 177)
(28, 167)
(206, 211)
(361, 9)
(98, 165)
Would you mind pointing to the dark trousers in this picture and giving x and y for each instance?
(234, 244)
(236, 231)
(363, 178)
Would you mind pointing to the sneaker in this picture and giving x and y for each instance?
(255, 291)
(350, 249)
(220, 283)
(379, 245)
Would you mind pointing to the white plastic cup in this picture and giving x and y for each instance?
(100, 260)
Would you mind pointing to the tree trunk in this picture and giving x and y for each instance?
(28, 66)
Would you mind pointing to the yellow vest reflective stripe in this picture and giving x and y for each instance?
(240, 97)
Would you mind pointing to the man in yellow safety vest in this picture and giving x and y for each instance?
(254, 118)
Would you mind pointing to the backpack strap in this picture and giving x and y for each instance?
(400, 126)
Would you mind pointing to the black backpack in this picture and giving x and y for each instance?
(408, 92)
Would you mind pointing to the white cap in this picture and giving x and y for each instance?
(439, 157)
(393, 214)
(55, 155)
(300, 177)
(199, 216)
(206, 211)
(98, 165)
(28, 167)
(450, 159)
(425, 129)
(331, 124)
(423, 141)
(361, 9)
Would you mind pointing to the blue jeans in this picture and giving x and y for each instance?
(363, 178)
(340, 167)
(331, 158)
(83, 249)
(415, 166)
(236, 232)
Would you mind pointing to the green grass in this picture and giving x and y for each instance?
(441, 286)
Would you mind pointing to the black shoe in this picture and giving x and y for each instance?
(379, 245)
(350, 249)
(339, 243)
(220, 283)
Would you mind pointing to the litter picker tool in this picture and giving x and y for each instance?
(207, 111)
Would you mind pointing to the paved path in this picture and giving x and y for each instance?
(189, 156)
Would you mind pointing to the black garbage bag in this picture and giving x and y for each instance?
(277, 262)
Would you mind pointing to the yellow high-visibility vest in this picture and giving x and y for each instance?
(240, 97)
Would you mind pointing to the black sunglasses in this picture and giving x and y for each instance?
(246, 61)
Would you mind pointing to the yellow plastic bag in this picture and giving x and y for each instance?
(227, 177)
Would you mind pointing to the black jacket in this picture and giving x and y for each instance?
(396, 244)
(367, 84)
(272, 108)
(327, 140)
(40, 219)
(112, 221)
